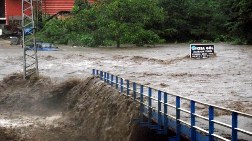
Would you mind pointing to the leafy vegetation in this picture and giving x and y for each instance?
(240, 20)
(124, 21)
(139, 22)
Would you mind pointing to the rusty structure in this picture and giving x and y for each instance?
(30, 10)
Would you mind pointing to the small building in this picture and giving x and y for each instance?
(11, 10)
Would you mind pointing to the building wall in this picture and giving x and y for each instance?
(13, 9)
(52, 7)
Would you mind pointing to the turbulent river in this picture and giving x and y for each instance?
(224, 79)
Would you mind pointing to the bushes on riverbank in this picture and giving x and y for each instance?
(116, 22)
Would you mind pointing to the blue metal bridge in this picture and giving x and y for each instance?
(164, 112)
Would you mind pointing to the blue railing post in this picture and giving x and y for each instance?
(165, 112)
(149, 105)
(141, 103)
(178, 125)
(108, 78)
(234, 126)
(128, 85)
(211, 123)
(116, 82)
(93, 71)
(112, 80)
(193, 131)
(101, 75)
(105, 76)
(97, 72)
(121, 85)
(159, 110)
(134, 90)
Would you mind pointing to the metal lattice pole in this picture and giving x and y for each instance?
(30, 59)
(38, 15)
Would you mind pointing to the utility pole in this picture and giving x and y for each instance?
(30, 59)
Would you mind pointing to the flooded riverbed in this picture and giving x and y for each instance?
(224, 80)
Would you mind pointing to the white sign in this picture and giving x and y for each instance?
(201, 50)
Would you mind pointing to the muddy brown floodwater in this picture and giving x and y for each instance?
(224, 80)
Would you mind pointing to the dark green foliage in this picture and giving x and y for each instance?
(192, 20)
(105, 23)
(54, 31)
(139, 22)
(240, 20)
(125, 21)
(80, 5)
(176, 26)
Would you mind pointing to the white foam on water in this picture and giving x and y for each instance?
(24, 121)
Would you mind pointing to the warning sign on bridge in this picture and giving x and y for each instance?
(201, 50)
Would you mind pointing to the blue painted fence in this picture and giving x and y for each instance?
(156, 113)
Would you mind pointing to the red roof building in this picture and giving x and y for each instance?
(12, 9)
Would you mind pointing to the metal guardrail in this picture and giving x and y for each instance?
(155, 108)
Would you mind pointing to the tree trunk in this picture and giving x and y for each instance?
(118, 43)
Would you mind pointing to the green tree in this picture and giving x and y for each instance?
(205, 18)
(192, 20)
(176, 26)
(240, 20)
(82, 26)
(116, 22)
(80, 5)
(54, 31)
(124, 21)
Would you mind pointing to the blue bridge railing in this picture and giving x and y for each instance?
(163, 112)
